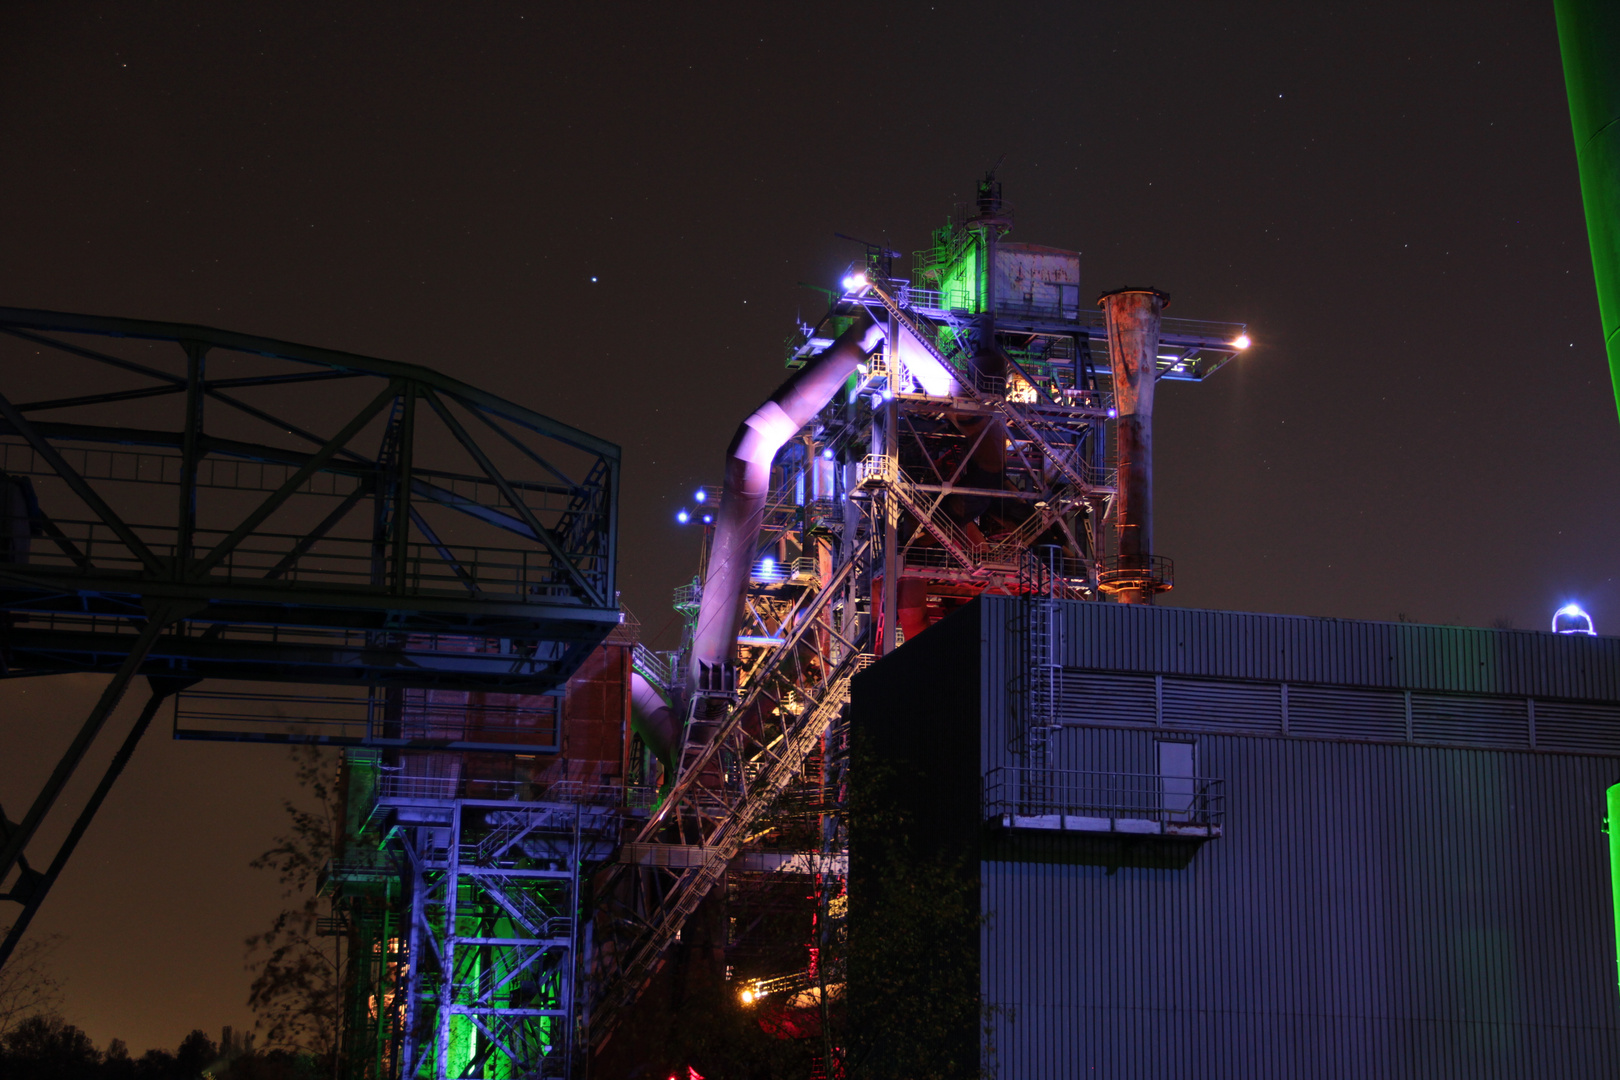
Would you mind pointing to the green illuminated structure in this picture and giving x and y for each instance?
(1611, 825)
(955, 266)
(1589, 37)
(484, 894)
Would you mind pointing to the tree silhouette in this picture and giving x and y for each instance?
(295, 991)
(26, 986)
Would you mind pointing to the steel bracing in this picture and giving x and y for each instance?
(464, 898)
(200, 506)
(969, 453)
(319, 516)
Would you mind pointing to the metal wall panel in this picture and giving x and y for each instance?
(1578, 726)
(1297, 649)
(1119, 699)
(1205, 704)
(1371, 911)
(1378, 906)
(1335, 712)
(1445, 718)
(1092, 697)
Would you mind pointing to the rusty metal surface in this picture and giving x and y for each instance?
(1133, 350)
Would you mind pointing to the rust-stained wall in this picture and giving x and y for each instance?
(1032, 277)
(596, 716)
(581, 735)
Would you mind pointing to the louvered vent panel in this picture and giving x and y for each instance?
(1443, 718)
(1341, 712)
(1093, 698)
(1578, 726)
(1222, 706)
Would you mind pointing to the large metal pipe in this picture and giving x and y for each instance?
(1589, 38)
(660, 731)
(1133, 348)
(747, 483)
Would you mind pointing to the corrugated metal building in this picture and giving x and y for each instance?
(1400, 872)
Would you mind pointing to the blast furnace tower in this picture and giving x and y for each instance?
(973, 428)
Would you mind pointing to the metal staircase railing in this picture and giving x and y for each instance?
(693, 767)
(723, 846)
(881, 470)
(654, 668)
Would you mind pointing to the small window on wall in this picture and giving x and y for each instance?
(1176, 783)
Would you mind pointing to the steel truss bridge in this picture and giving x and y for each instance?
(199, 506)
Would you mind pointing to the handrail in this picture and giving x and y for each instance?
(1001, 405)
(758, 679)
(1154, 797)
(886, 471)
(724, 845)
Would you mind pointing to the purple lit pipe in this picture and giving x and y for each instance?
(748, 476)
(653, 719)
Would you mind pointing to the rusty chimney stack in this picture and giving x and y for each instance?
(1134, 574)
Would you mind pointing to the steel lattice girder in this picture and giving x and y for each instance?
(302, 555)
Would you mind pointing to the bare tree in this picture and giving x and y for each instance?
(296, 988)
(26, 986)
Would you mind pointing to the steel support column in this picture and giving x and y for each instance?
(891, 510)
(36, 889)
(17, 841)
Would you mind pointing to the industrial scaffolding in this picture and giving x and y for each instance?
(537, 806)
(970, 429)
(301, 546)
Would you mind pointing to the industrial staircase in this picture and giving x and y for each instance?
(882, 471)
(696, 753)
(782, 767)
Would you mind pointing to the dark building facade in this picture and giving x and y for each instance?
(1260, 846)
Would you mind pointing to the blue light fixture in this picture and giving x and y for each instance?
(1570, 619)
(701, 496)
(682, 517)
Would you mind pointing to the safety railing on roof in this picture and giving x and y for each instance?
(1120, 802)
(393, 786)
(1118, 572)
(275, 560)
(688, 597)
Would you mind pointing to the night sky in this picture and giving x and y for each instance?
(604, 214)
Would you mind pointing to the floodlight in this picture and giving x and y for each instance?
(1570, 619)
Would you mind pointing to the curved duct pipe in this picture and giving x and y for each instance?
(747, 483)
(653, 719)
